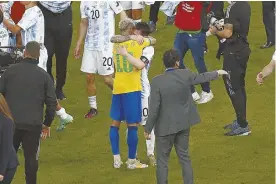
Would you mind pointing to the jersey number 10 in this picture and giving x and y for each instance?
(127, 67)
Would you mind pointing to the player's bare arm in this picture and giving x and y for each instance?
(138, 38)
(15, 29)
(225, 33)
(82, 33)
(136, 62)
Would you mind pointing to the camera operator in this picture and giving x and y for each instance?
(27, 88)
(236, 55)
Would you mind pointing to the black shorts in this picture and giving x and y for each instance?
(235, 63)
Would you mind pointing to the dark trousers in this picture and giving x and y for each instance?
(269, 20)
(194, 42)
(236, 64)
(8, 176)
(58, 37)
(30, 142)
(154, 10)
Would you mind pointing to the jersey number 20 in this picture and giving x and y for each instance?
(95, 14)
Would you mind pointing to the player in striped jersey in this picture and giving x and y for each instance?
(31, 27)
(97, 27)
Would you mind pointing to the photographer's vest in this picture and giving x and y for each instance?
(188, 16)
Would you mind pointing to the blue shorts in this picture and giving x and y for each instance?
(127, 107)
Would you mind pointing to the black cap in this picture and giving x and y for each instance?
(170, 58)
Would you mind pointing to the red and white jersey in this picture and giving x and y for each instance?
(101, 23)
(148, 53)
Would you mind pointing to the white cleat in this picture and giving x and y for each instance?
(196, 96)
(205, 97)
(117, 163)
(135, 164)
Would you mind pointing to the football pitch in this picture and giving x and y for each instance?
(81, 154)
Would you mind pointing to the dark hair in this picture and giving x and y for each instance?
(33, 49)
(1, 16)
(170, 58)
(143, 27)
(4, 108)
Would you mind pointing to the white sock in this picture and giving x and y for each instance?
(92, 102)
(150, 144)
(117, 157)
(62, 113)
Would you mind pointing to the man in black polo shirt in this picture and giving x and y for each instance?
(27, 87)
(236, 55)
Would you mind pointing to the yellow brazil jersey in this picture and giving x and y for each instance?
(127, 77)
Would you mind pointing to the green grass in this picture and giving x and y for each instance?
(81, 154)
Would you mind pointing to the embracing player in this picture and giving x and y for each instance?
(143, 29)
(126, 99)
(31, 27)
(97, 27)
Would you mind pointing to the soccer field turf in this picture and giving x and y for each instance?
(81, 153)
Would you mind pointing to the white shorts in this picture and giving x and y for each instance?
(145, 110)
(43, 58)
(132, 5)
(97, 62)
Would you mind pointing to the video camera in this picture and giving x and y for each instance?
(9, 58)
(212, 20)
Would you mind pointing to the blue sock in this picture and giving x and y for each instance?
(114, 139)
(132, 141)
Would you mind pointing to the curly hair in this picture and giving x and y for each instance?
(125, 24)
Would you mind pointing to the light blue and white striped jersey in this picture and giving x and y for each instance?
(6, 39)
(148, 52)
(56, 6)
(32, 24)
(101, 23)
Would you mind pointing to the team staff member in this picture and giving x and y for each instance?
(236, 55)
(27, 104)
(172, 113)
(58, 37)
(8, 157)
(189, 37)
(267, 70)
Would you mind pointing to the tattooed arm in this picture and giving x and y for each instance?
(138, 38)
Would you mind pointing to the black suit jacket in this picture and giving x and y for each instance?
(8, 157)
